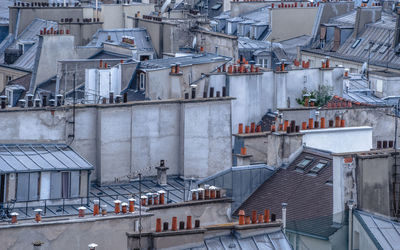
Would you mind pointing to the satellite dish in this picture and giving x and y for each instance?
(194, 42)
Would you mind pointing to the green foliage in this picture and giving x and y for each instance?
(321, 96)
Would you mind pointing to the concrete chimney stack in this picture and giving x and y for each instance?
(162, 174)
(284, 205)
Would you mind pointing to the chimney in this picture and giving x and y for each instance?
(111, 98)
(30, 100)
(3, 101)
(117, 204)
(131, 205)
(158, 225)
(81, 211)
(174, 226)
(96, 207)
(241, 217)
(14, 217)
(194, 194)
(266, 215)
(189, 222)
(162, 174)
(365, 16)
(22, 103)
(124, 206)
(103, 210)
(254, 217)
(38, 216)
(59, 99)
(161, 194)
(37, 103)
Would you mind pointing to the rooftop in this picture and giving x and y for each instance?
(184, 61)
(384, 232)
(16, 158)
(141, 38)
(305, 185)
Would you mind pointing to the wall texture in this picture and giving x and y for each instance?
(192, 136)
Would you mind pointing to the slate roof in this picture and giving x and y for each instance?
(140, 34)
(309, 196)
(31, 34)
(383, 232)
(378, 35)
(184, 61)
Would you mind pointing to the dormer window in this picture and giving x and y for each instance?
(318, 167)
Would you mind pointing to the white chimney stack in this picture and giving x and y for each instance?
(284, 216)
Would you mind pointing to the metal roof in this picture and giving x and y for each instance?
(30, 33)
(183, 60)
(15, 158)
(382, 231)
(4, 10)
(140, 35)
(246, 180)
(272, 240)
(259, 15)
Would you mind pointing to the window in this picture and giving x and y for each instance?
(142, 81)
(9, 78)
(263, 63)
(9, 94)
(356, 43)
(28, 186)
(65, 185)
(304, 163)
(320, 165)
(379, 85)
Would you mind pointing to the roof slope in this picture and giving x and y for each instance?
(382, 231)
(309, 196)
(16, 158)
(142, 38)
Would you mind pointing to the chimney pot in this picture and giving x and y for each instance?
(38, 217)
(161, 194)
(158, 225)
(81, 211)
(117, 204)
(189, 222)
(266, 215)
(260, 218)
(96, 207)
(174, 224)
(14, 217)
(385, 144)
(200, 193)
(254, 217)
(181, 225)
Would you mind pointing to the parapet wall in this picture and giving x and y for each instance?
(120, 140)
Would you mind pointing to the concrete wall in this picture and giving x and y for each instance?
(28, 14)
(374, 175)
(303, 242)
(115, 16)
(83, 32)
(273, 149)
(389, 85)
(287, 23)
(192, 136)
(240, 8)
(339, 140)
(227, 44)
(72, 233)
(256, 94)
(376, 117)
(49, 51)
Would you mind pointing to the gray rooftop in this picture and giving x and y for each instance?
(16, 158)
(246, 180)
(106, 194)
(383, 232)
(4, 10)
(29, 34)
(271, 240)
(140, 35)
(184, 61)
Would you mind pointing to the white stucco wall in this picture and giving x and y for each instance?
(339, 140)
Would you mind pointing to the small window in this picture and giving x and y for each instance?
(304, 163)
(356, 43)
(320, 165)
(142, 81)
(9, 78)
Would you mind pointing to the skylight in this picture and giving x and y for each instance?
(320, 165)
(304, 163)
(356, 43)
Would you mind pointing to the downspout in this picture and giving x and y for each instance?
(88, 187)
(350, 204)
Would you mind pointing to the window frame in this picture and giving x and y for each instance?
(298, 165)
(323, 163)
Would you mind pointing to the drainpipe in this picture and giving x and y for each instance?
(350, 204)
(88, 186)
(284, 217)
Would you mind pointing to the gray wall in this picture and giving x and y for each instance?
(193, 136)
